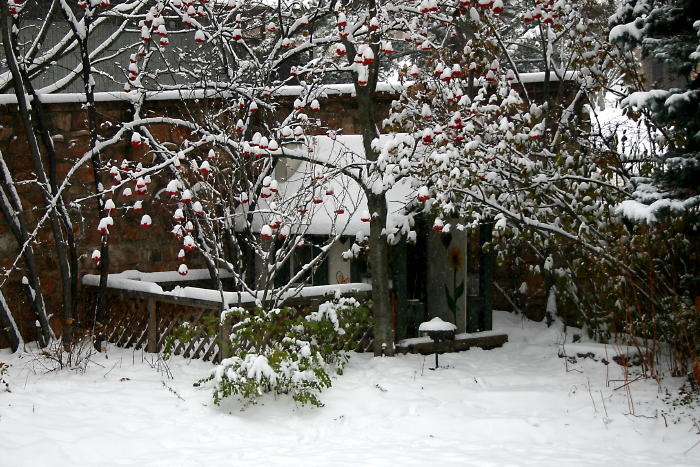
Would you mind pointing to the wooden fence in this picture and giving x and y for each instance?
(145, 320)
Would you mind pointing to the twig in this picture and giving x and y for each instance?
(97, 363)
(691, 447)
(629, 396)
(507, 297)
(650, 417)
(173, 391)
(627, 383)
(110, 370)
(566, 359)
(606, 419)
(588, 385)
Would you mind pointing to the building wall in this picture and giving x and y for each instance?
(446, 270)
(338, 269)
(132, 247)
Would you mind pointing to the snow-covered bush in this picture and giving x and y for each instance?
(287, 351)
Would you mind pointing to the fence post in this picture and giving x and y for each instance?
(224, 342)
(152, 345)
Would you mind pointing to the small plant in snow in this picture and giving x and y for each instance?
(57, 356)
(286, 351)
(3, 372)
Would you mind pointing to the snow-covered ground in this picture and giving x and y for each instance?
(517, 405)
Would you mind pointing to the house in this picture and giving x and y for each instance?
(424, 273)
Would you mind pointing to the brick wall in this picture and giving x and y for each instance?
(131, 247)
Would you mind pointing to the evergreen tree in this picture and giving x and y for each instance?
(668, 31)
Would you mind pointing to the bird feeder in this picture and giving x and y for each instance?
(438, 331)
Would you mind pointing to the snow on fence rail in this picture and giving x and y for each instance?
(141, 314)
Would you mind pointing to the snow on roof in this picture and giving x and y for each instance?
(538, 77)
(322, 219)
(186, 94)
(148, 281)
(339, 89)
(233, 298)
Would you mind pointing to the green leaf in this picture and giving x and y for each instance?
(459, 291)
(450, 301)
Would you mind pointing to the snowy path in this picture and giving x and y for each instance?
(511, 406)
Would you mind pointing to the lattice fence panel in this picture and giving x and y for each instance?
(124, 321)
(128, 317)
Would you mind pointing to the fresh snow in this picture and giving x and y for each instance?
(516, 405)
(637, 211)
(116, 282)
(162, 276)
(436, 324)
(622, 30)
(644, 98)
(137, 281)
(634, 210)
(467, 335)
(404, 343)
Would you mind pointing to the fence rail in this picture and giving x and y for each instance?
(145, 320)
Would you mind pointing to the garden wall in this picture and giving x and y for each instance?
(131, 247)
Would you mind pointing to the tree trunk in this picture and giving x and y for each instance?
(247, 261)
(82, 37)
(9, 325)
(9, 40)
(379, 259)
(11, 207)
(69, 265)
(376, 203)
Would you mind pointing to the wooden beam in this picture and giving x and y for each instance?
(152, 345)
(459, 344)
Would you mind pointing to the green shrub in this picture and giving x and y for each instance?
(287, 352)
